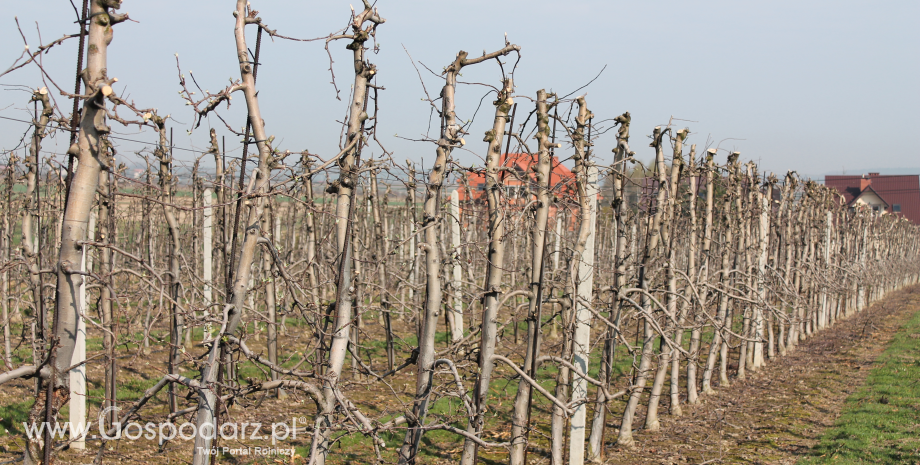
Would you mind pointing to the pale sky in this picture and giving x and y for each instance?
(815, 86)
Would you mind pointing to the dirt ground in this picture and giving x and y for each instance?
(778, 413)
(774, 416)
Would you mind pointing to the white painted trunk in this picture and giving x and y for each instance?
(582, 337)
(825, 310)
(765, 206)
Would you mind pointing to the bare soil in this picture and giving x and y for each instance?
(774, 416)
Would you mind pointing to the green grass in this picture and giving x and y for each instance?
(880, 423)
(12, 416)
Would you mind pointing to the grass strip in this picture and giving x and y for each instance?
(880, 423)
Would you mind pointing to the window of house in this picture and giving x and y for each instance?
(875, 208)
(896, 207)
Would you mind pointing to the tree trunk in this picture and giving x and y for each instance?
(520, 419)
(6, 251)
(721, 319)
(625, 437)
(766, 204)
(381, 252)
(76, 216)
(667, 236)
(309, 223)
(583, 321)
(255, 205)
(106, 235)
(163, 153)
(450, 137)
(31, 215)
(6, 244)
(344, 188)
(685, 305)
(496, 257)
(696, 332)
(271, 295)
(596, 440)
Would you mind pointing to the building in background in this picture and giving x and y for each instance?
(896, 194)
(519, 180)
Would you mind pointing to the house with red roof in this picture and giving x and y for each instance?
(518, 181)
(895, 194)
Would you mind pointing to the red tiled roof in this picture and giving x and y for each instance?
(903, 190)
(521, 162)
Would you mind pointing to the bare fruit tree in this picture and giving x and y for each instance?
(529, 304)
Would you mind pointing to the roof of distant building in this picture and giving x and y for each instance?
(897, 191)
(522, 164)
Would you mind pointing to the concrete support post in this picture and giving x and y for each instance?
(456, 313)
(77, 416)
(207, 244)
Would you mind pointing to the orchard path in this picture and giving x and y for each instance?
(778, 413)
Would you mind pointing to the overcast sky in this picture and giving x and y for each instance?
(817, 86)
